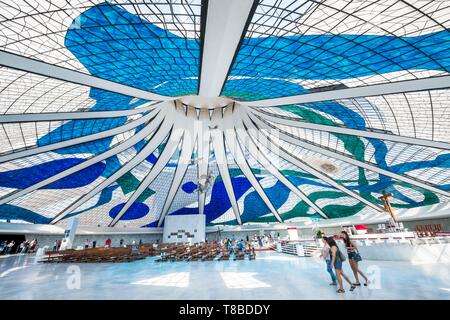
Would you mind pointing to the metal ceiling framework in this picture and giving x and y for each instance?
(258, 37)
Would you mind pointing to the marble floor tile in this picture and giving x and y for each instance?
(270, 276)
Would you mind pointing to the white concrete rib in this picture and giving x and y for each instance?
(343, 157)
(236, 151)
(71, 142)
(161, 162)
(431, 83)
(150, 146)
(22, 63)
(298, 123)
(225, 24)
(218, 145)
(76, 115)
(256, 153)
(85, 164)
(187, 148)
(203, 141)
(265, 140)
(178, 128)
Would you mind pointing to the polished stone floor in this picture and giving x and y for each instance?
(270, 276)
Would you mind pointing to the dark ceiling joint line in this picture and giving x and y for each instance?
(432, 114)
(203, 20)
(244, 32)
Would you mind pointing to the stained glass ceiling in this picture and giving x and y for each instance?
(123, 112)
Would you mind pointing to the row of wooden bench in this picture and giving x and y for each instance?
(200, 252)
(429, 230)
(119, 254)
(165, 251)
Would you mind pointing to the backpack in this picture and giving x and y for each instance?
(342, 257)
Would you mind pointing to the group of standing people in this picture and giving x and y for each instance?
(93, 244)
(11, 247)
(8, 247)
(88, 244)
(334, 259)
(238, 245)
(262, 240)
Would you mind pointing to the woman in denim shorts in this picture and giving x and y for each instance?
(336, 263)
(353, 259)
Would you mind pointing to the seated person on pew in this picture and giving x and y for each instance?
(135, 250)
(239, 252)
(240, 246)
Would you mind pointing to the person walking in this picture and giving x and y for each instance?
(354, 258)
(21, 247)
(25, 247)
(3, 246)
(9, 247)
(336, 263)
(326, 255)
(33, 244)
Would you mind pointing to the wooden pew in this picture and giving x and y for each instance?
(429, 230)
(95, 255)
(201, 251)
(239, 255)
(225, 254)
(211, 252)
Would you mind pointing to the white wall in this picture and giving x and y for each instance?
(407, 252)
(49, 240)
(184, 228)
(48, 234)
(415, 251)
(237, 235)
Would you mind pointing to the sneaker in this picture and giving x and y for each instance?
(333, 284)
